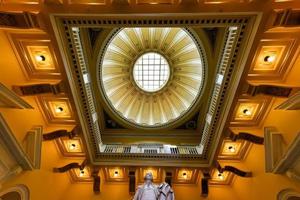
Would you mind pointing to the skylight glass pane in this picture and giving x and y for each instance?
(151, 72)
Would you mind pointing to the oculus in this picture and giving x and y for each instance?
(151, 72)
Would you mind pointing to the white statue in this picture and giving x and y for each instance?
(149, 191)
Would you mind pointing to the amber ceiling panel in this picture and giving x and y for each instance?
(70, 147)
(185, 176)
(78, 175)
(218, 178)
(116, 174)
(36, 55)
(56, 109)
(250, 111)
(272, 60)
(233, 150)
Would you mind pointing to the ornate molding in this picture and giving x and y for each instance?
(33, 146)
(237, 40)
(292, 103)
(273, 148)
(11, 100)
(279, 161)
(13, 146)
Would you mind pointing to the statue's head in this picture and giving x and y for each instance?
(148, 178)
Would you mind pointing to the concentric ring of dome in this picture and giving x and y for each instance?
(161, 107)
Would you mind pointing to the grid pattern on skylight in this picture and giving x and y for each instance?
(151, 72)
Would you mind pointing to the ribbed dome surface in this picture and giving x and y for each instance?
(151, 109)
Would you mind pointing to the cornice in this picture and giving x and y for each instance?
(13, 145)
(12, 100)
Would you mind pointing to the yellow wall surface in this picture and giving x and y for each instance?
(44, 184)
(262, 186)
(266, 186)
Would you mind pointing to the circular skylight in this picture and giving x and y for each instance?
(151, 72)
(137, 63)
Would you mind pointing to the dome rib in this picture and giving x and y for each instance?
(130, 101)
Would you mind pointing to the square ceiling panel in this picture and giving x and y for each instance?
(36, 55)
(250, 111)
(186, 176)
(234, 150)
(270, 62)
(116, 174)
(70, 147)
(78, 175)
(56, 109)
(218, 178)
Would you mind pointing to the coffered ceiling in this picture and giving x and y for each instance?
(184, 136)
(94, 101)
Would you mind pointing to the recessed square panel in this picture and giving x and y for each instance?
(268, 58)
(36, 55)
(57, 109)
(233, 150)
(116, 174)
(272, 59)
(250, 111)
(78, 175)
(60, 109)
(186, 176)
(73, 145)
(41, 57)
(70, 147)
(246, 111)
(218, 178)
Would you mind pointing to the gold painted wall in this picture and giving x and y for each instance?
(44, 184)
(265, 186)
